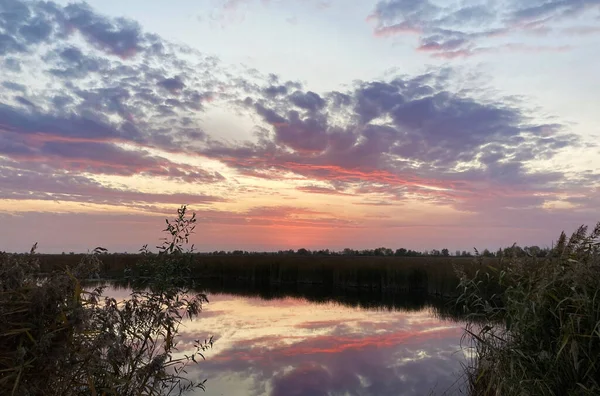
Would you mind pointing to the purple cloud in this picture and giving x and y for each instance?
(121, 37)
(172, 85)
(406, 132)
(31, 184)
(450, 30)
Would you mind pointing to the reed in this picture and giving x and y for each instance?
(534, 323)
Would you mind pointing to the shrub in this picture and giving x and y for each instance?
(59, 339)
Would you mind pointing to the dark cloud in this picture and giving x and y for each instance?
(8, 44)
(302, 134)
(13, 86)
(275, 90)
(172, 85)
(36, 31)
(121, 37)
(12, 64)
(24, 101)
(308, 101)
(27, 24)
(451, 30)
(19, 121)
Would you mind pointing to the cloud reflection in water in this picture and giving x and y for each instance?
(292, 347)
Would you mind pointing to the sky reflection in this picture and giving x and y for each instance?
(293, 347)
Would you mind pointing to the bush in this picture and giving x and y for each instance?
(535, 322)
(59, 339)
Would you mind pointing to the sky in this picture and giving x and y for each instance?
(287, 123)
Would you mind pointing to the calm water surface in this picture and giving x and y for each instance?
(290, 346)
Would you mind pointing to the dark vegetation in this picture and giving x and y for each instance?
(434, 275)
(58, 337)
(534, 322)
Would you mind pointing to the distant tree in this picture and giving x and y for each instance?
(303, 252)
(513, 251)
(401, 252)
(532, 250)
(445, 252)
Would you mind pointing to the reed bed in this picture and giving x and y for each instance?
(433, 275)
(535, 322)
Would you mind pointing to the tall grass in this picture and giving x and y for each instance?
(535, 322)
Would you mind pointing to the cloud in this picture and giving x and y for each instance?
(14, 86)
(121, 37)
(172, 85)
(276, 216)
(32, 184)
(401, 137)
(320, 190)
(98, 114)
(84, 145)
(452, 30)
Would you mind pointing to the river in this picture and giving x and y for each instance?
(292, 346)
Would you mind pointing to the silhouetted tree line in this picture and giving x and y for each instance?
(381, 252)
(513, 251)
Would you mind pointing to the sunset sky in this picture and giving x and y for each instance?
(298, 123)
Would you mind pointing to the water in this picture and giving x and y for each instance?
(290, 346)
